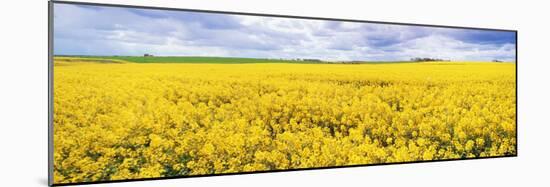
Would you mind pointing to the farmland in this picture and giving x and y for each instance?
(128, 118)
(181, 59)
(199, 60)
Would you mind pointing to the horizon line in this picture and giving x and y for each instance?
(291, 59)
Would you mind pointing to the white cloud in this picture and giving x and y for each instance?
(438, 46)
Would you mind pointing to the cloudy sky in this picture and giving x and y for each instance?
(93, 30)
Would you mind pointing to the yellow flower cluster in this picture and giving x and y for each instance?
(128, 121)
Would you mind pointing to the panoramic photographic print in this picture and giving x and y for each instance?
(141, 93)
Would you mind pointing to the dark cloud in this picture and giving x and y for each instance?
(206, 20)
(486, 37)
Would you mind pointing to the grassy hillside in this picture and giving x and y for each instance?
(209, 60)
(189, 59)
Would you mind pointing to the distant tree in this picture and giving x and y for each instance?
(311, 60)
(418, 59)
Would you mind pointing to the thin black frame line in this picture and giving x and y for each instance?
(517, 98)
(50, 95)
(280, 170)
(275, 15)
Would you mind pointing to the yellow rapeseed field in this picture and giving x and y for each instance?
(117, 121)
